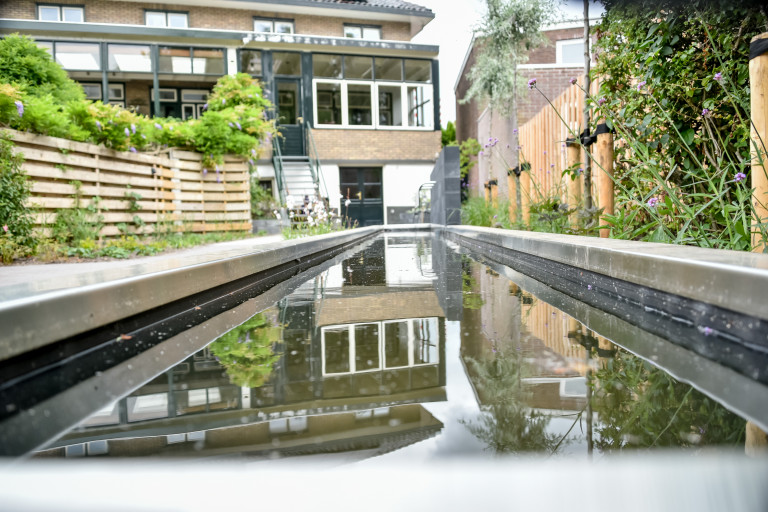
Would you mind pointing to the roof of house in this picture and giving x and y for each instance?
(393, 4)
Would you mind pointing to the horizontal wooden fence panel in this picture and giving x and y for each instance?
(133, 193)
(543, 146)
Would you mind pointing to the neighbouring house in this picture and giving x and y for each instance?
(356, 102)
(553, 64)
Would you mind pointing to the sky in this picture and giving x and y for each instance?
(452, 28)
(452, 31)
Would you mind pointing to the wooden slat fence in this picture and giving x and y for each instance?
(134, 193)
(543, 147)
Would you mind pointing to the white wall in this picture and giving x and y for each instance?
(402, 182)
(331, 179)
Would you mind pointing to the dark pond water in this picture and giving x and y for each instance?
(407, 350)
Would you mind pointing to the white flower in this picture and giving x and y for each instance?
(347, 202)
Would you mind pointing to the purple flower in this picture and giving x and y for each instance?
(133, 128)
(158, 126)
(579, 170)
(641, 84)
(98, 125)
(253, 152)
(602, 101)
(133, 149)
(551, 165)
(205, 107)
(589, 287)
(481, 153)
(572, 81)
(531, 83)
(238, 125)
(223, 101)
(231, 125)
(707, 331)
(205, 171)
(514, 131)
(739, 176)
(705, 112)
(19, 107)
(652, 202)
(127, 132)
(250, 161)
(545, 152)
(718, 77)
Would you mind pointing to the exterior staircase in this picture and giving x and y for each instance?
(298, 177)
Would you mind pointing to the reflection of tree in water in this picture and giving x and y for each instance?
(246, 351)
(506, 424)
(641, 406)
(471, 298)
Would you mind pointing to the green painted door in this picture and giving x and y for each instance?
(289, 123)
(363, 187)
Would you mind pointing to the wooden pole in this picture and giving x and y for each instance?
(572, 158)
(512, 186)
(758, 81)
(587, 62)
(604, 157)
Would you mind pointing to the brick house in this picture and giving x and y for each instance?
(552, 64)
(356, 101)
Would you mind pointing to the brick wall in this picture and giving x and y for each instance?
(546, 53)
(132, 13)
(384, 145)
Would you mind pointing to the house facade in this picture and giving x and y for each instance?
(356, 102)
(552, 64)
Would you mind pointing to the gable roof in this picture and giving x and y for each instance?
(391, 4)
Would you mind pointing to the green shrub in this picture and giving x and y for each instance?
(25, 64)
(675, 87)
(15, 218)
(476, 211)
(78, 226)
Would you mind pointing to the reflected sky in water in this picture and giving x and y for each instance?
(404, 351)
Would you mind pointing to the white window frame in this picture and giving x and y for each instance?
(273, 25)
(429, 110)
(382, 352)
(165, 16)
(362, 29)
(559, 51)
(61, 10)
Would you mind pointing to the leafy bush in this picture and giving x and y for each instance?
(24, 64)
(78, 224)
(15, 217)
(675, 87)
(262, 201)
(479, 212)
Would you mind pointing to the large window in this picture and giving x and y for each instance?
(251, 62)
(371, 32)
(167, 19)
(273, 25)
(191, 61)
(78, 56)
(356, 91)
(134, 58)
(365, 347)
(69, 13)
(93, 91)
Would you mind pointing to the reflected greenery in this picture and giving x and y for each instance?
(640, 406)
(246, 351)
(506, 424)
(471, 298)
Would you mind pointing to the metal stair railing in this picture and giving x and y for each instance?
(314, 164)
(277, 162)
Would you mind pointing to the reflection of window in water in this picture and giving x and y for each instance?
(363, 347)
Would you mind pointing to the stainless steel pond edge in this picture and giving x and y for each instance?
(736, 281)
(36, 321)
(743, 395)
(26, 432)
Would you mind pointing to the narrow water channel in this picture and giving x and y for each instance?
(404, 350)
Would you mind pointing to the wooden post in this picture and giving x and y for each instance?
(487, 191)
(573, 157)
(604, 158)
(493, 187)
(525, 185)
(756, 442)
(512, 187)
(758, 81)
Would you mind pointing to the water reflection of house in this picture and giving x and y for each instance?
(359, 349)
